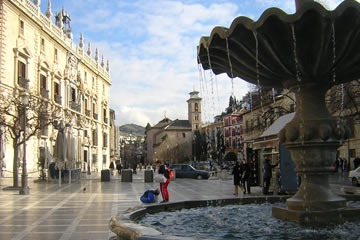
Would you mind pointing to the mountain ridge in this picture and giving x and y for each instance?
(132, 129)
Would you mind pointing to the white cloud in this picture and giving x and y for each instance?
(152, 50)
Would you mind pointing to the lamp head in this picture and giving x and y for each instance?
(24, 97)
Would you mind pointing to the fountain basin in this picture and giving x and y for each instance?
(125, 227)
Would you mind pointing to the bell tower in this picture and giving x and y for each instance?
(194, 110)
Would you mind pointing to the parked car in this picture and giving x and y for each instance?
(188, 171)
(354, 176)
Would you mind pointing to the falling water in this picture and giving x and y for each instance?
(342, 109)
(297, 71)
(342, 99)
(333, 51)
(231, 68)
(273, 92)
(203, 89)
(257, 68)
(211, 81)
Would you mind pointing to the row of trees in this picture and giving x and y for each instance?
(36, 114)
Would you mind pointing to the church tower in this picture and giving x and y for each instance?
(194, 110)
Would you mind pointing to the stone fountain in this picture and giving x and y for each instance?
(307, 52)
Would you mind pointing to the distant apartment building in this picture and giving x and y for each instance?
(233, 130)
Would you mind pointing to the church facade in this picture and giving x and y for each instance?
(172, 140)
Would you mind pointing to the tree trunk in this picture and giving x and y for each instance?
(15, 164)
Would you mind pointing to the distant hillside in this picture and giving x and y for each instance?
(133, 129)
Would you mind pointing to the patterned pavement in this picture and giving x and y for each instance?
(68, 212)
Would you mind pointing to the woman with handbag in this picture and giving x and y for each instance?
(163, 185)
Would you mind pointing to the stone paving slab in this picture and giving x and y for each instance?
(68, 212)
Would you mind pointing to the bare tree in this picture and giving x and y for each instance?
(12, 116)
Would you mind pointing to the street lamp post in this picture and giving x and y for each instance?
(24, 190)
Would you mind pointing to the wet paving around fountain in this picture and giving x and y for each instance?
(67, 212)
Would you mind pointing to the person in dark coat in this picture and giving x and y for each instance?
(245, 173)
(267, 170)
(236, 173)
(118, 167)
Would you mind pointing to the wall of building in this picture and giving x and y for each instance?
(28, 35)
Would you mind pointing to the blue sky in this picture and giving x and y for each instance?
(151, 46)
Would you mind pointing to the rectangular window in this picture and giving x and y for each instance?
(94, 108)
(55, 55)
(57, 89)
(42, 81)
(21, 70)
(94, 137)
(105, 140)
(42, 46)
(73, 95)
(21, 27)
(105, 115)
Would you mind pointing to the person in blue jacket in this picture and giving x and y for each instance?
(149, 196)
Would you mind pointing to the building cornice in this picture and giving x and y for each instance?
(34, 13)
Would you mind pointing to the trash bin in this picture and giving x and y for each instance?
(149, 175)
(126, 175)
(105, 175)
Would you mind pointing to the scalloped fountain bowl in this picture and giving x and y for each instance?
(307, 52)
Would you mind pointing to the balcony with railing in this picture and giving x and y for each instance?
(75, 106)
(44, 93)
(58, 99)
(24, 83)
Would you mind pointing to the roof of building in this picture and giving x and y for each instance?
(279, 124)
(163, 123)
(179, 124)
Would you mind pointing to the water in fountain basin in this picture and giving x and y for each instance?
(250, 221)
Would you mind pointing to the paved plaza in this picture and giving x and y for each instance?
(69, 212)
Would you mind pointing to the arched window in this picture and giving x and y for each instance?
(196, 107)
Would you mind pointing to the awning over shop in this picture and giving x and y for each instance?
(279, 124)
(269, 137)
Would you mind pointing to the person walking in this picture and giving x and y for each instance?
(236, 173)
(118, 167)
(267, 170)
(163, 186)
(112, 167)
(245, 176)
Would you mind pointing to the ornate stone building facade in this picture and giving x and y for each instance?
(39, 56)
